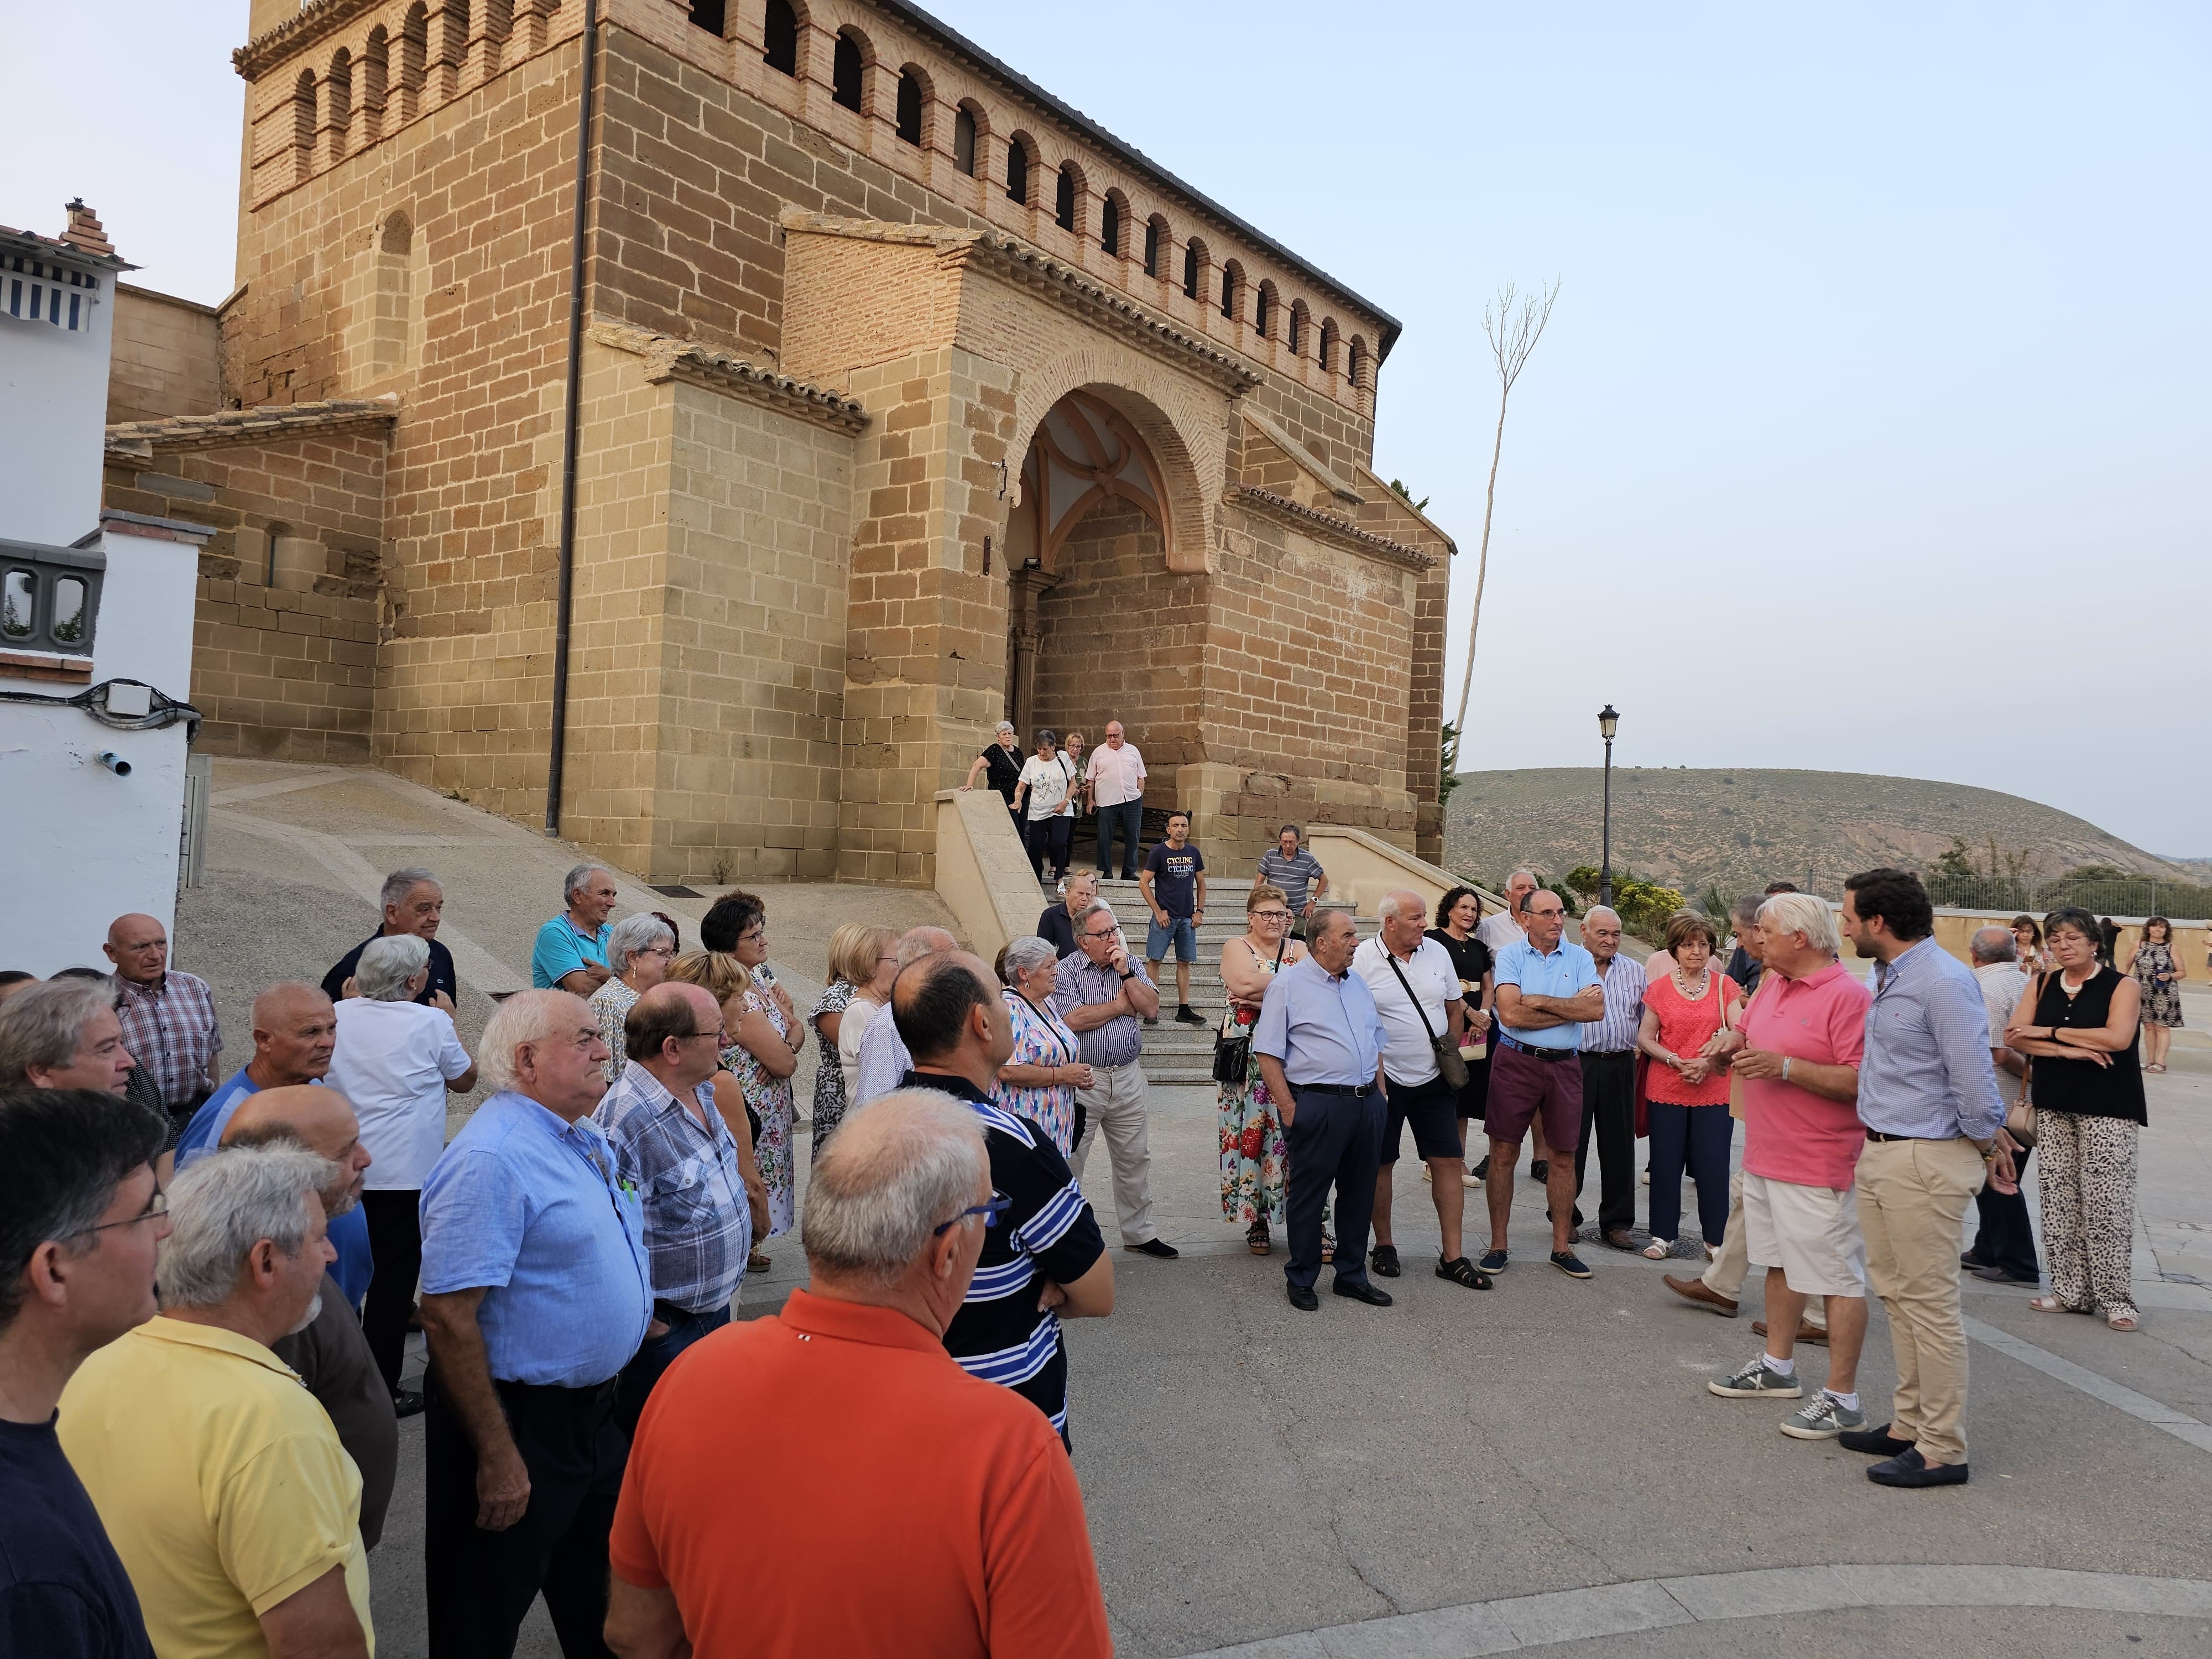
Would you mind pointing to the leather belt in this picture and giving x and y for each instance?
(1549, 1056)
(1876, 1134)
(1609, 1053)
(1352, 1089)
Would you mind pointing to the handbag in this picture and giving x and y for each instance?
(1232, 1055)
(2020, 1119)
(1449, 1065)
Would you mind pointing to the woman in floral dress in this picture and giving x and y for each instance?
(766, 1040)
(1252, 1154)
(2158, 970)
(1039, 1081)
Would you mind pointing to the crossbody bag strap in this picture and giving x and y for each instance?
(1045, 1023)
(1419, 1012)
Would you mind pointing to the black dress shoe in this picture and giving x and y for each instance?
(1362, 1292)
(1909, 1468)
(1875, 1442)
(1303, 1299)
(407, 1402)
(1187, 1015)
(1383, 1259)
(1155, 1247)
(2006, 1276)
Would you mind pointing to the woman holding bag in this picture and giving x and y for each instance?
(1253, 1156)
(1459, 913)
(1684, 1010)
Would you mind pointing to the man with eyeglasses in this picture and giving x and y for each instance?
(678, 1153)
(965, 1520)
(536, 1292)
(1101, 995)
(80, 1222)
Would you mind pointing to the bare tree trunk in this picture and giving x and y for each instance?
(1481, 575)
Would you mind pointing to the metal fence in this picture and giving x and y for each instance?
(2127, 897)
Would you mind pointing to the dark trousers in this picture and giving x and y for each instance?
(1128, 818)
(479, 1584)
(1049, 837)
(395, 1244)
(1332, 1139)
(2006, 1237)
(1609, 1117)
(655, 1355)
(1700, 1135)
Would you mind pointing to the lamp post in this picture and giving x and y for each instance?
(1608, 723)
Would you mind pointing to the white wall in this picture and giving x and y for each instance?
(53, 417)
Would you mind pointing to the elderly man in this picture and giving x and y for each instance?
(1290, 867)
(883, 1059)
(63, 1033)
(571, 950)
(168, 1015)
(535, 1292)
(1057, 924)
(1415, 988)
(221, 1482)
(1607, 1057)
(1116, 778)
(1508, 927)
(80, 1216)
(2004, 1245)
(1102, 997)
(1045, 1259)
(413, 902)
(951, 1491)
(331, 1353)
(1796, 1055)
(672, 1147)
(1928, 1096)
(1319, 1042)
(1548, 991)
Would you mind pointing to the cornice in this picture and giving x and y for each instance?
(317, 19)
(140, 439)
(1327, 527)
(670, 359)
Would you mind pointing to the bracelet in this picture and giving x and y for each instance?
(1786, 1059)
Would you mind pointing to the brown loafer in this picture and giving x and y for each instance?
(1621, 1239)
(1694, 1289)
(1807, 1331)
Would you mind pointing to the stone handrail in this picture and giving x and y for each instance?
(983, 873)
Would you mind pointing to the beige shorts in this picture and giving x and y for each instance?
(1811, 1233)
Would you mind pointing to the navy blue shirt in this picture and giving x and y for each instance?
(441, 971)
(1057, 928)
(1175, 877)
(64, 1594)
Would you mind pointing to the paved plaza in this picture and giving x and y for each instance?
(1462, 1473)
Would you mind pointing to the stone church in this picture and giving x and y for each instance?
(897, 396)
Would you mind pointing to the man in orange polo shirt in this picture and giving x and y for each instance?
(954, 1493)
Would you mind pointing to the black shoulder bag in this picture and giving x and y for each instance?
(1449, 1065)
(1232, 1055)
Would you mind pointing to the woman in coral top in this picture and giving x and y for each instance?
(1683, 1010)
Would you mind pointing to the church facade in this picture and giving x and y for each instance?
(906, 398)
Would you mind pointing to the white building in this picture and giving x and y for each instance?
(95, 625)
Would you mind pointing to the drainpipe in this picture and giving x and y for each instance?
(571, 411)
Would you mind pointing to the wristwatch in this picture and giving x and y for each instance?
(1128, 973)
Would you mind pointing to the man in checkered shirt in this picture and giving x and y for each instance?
(168, 1015)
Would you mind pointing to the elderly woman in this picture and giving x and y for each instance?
(2078, 1025)
(2158, 971)
(639, 950)
(1039, 1081)
(1002, 762)
(395, 1060)
(1041, 802)
(862, 964)
(728, 983)
(1684, 1009)
(1255, 1160)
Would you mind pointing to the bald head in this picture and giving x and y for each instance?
(294, 1029)
(139, 945)
(321, 1120)
(919, 942)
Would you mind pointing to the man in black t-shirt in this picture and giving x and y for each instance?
(1043, 1258)
(414, 903)
(1174, 886)
(83, 1220)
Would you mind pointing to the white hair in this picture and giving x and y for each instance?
(577, 879)
(1003, 726)
(387, 963)
(1090, 910)
(526, 1016)
(1518, 874)
(224, 1205)
(40, 1026)
(1994, 944)
(1025, 955)
(1394, 904)
(919, 942)
(1605, 910)
(400, 883)
(898, 1168)
(632, 934)
(1802, 913)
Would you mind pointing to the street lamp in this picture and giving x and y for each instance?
(1608, 723)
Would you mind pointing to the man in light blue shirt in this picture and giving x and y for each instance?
(571, 950)
(1319, 1042)
(536, 1290)
(1547, 990)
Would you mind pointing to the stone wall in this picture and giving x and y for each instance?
(167, 357)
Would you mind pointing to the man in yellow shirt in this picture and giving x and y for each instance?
(218, 1477)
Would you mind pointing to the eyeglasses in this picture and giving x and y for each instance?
(998, 1205)
(718, 1038)
(1095, 933)
(1271, 915)
(156, 1206)
(753, 935)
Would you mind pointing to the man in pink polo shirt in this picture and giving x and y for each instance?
(1797, 1050)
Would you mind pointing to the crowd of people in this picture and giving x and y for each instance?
(181, 1250)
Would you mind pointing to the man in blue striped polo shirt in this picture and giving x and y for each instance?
(1043, 1256)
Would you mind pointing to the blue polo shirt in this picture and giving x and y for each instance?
(561, 949)
(526, 1208)
(1569, 970)
(1323, 1027)
(348, 1234)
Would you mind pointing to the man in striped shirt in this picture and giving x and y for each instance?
(1609, 1063)
(1043, 1257)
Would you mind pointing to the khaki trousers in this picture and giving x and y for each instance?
(1114, 1103)
(1914, 1197)
(1724, 1273)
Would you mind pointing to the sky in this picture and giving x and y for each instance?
(1873, 428)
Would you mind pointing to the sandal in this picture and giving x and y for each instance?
(2051, 1304)
(1383, 1259)
(2158, 1067)
(1256, 1239)
(1327, 1248)
(2121, 1321)
(1659, 1249)
(1461, 1271)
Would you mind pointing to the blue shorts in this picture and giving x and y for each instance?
(1179, 931)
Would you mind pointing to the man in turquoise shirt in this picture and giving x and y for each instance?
(571, 953)
(1548, 990)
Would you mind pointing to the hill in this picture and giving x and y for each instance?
(1742, 828)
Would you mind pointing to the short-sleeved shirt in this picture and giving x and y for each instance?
(1685, 1027)
(1408, 1056)
(1323, 1027)
(63, 1589)
(698, 1227)
(1084, 983)
(333, 1356)
(392, 1062)
(1295, 875)
(527, 1209)
(1175, 877)
(1568, 971)
(170, 1029)
(442, 977)
(220, 1480)
(1057, 928)
(1497, 930)
(955, 1497)
(1049, 783)
(1790, 1134)
(561, 949)
(2003, 987)
(1115, 775)
(1002, 770)
(1048, 1232)
(880, 1062)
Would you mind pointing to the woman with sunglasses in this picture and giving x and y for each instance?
(1253, 1156)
